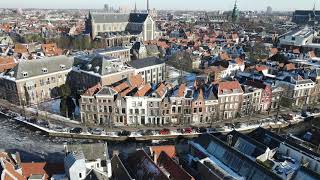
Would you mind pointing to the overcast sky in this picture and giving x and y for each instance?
(165, 4)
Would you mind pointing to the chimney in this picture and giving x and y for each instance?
(230, 137)
(155, 157)
(115, 152)
(18, 159)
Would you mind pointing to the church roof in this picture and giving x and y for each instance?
(118, 18)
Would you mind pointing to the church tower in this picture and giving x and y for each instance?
(235, 13)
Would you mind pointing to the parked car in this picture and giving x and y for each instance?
(76, 130)
(164, 132)
(147, 132)
(187, 130)
(124, 133)
(96, 131)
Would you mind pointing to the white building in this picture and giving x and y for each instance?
(298, 37)
(298, 89)
(152, 69)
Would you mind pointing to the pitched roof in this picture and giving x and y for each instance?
(257, 84)
(106, 91)
(121, 87)
(261, 68)
(175, 171)
(92, 90)
(90, 151)
(135, 80)
(42, 168)
(146, 62)
(138, 17)
(51, 49)
(109, 17)
(290, 66)
(161, 90)
(20, 48)
(6, 63)
(142, 167)
(274, 51)
(169, 149)
(35, 67)
(296, 51)
(181, 90)
(127, 91)
(224, 56)
(143, 91)
(11, 172)
(230, 87)
(312, 54)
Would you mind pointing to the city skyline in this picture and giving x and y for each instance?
(167, 4)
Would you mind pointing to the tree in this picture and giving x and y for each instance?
(67, 105)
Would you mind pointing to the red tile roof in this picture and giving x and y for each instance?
(169, 149)
(136, 80)
(312, 54)
(230, 86)
(10, 172)
(274, 51)
(121, 87)
(175, 171)
(51, 49)
(125, 92)
(143, 91)
(91, 91)
(161, 90)
(181, 90)
(290, 67)
(239, 61)
(261, 68)
(7, 63)
(296, 51)
(41, 168)
(224, 56)
(20, 48)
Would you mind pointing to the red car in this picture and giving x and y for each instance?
(164, 131)
(187, 130)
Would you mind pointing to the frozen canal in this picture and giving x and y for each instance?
(36, 147)
(32, 146)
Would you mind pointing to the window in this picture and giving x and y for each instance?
(80, 175)
(25, 74)
(62, 66)
(44, 70)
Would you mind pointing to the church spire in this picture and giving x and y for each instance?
(148, 6)
(135, 7)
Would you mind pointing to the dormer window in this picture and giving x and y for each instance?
(25, 74)
(62, 66)
(44, 70)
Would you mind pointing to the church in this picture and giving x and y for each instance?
(121, 27)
